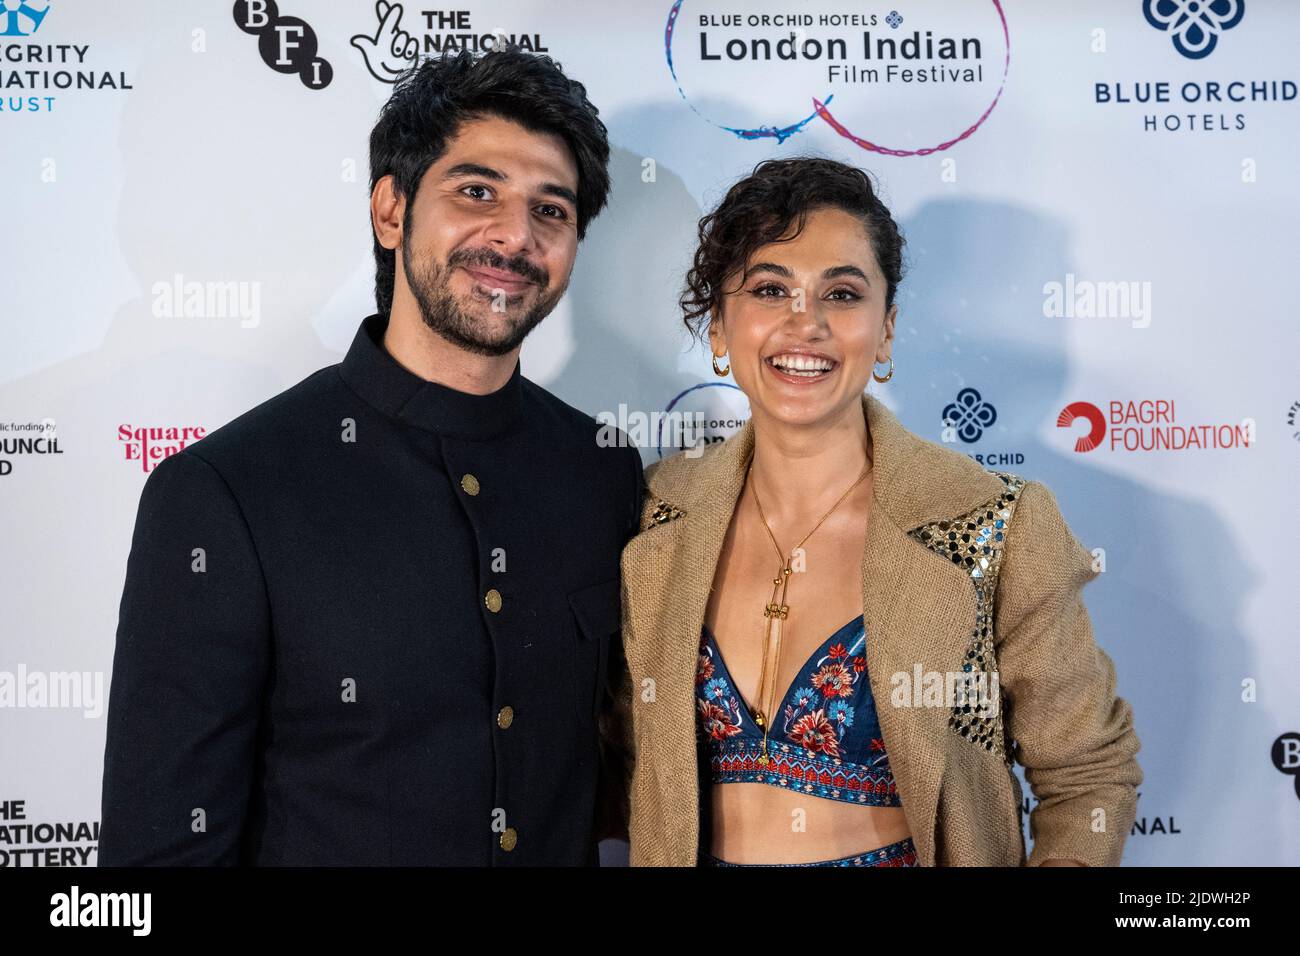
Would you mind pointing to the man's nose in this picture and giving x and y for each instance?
(509, 229)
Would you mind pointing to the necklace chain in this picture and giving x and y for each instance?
(777, 610)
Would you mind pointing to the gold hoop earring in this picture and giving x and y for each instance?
(887, 376)
(720, 372)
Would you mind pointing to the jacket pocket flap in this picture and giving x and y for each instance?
(596, 608)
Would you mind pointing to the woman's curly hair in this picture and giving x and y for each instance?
(761, 207)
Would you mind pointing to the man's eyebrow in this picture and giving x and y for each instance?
(564, 192)
(474, 169)
(487, 172)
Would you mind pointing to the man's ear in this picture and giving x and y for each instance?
(387, 210)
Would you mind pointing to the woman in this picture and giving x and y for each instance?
(807, 601)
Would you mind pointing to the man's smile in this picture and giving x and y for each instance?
(509, 282)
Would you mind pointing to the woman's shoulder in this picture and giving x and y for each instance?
(947, 493)
(675, 485)
(918, 478)
(670, 483)
(673, 474)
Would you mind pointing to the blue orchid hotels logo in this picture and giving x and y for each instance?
(1194, 25)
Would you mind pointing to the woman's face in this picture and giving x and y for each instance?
(806, 326)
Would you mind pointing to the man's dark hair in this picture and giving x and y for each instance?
(431, 100)
(758, 209)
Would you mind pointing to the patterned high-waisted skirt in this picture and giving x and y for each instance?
(902, 853)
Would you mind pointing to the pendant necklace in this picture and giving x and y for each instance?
(777, 610)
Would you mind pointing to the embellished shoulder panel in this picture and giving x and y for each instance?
(973, 541)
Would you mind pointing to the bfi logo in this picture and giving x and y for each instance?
(287, 44)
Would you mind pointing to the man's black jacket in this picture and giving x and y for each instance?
(369, 622)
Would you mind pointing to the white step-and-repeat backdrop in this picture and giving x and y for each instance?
(1100, 202)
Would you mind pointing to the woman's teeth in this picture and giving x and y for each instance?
(801, 366)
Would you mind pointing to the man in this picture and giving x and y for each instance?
(370, 621)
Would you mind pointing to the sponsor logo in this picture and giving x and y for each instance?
(389, 48)
(1216, 104)
(25, 842)
(1194, 25)
(966, 418)
(286, 44)
(883, 81)
(969, 415)
(34, 75)
(1286, 757)
(713, 411)
(1149, 425)
(26, 438)
(22, 19)
(148, 445)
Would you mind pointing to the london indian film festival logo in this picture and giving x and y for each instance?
(908, 82)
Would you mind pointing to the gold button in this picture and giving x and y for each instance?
(508, 839)
(505, 716)
(493, 600)
(469, 483)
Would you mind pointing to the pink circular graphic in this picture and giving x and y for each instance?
(781, 133)
(844, 131)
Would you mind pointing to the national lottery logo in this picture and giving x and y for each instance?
(903, 81)
(390, 45)
(1194, 25)
(391, 50)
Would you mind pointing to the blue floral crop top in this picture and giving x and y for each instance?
(825, 738)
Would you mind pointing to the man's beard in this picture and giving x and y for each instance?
(442, 311)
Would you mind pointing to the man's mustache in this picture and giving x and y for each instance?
(494, 260)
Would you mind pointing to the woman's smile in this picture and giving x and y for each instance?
(801, 368)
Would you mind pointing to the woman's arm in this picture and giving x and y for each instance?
(1075, 737)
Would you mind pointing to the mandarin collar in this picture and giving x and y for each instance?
(400, 394)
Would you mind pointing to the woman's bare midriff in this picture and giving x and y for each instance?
(760, 823)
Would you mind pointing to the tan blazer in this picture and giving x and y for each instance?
(1007, 601)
